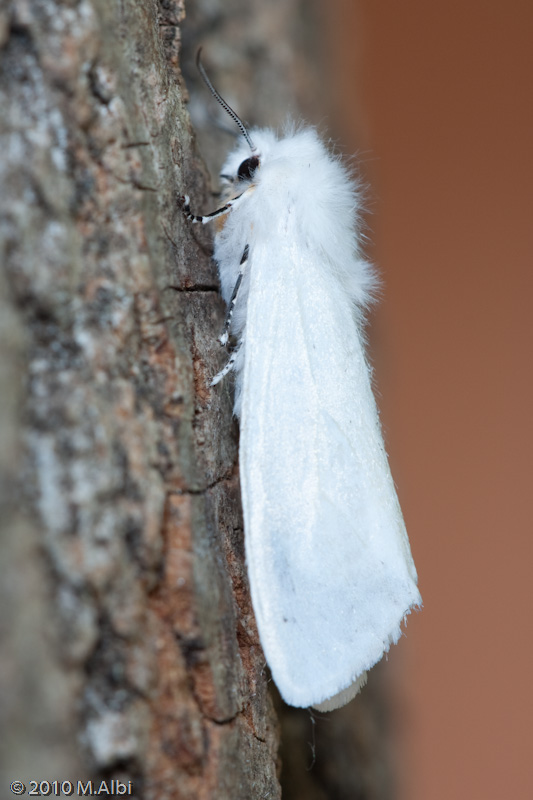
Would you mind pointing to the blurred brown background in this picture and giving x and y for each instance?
(442, 114)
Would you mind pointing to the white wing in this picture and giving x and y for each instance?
(328, 556)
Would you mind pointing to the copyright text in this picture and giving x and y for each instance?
(112, 788)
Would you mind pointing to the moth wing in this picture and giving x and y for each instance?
(328, 557)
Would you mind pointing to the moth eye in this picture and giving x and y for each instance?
(244, 173)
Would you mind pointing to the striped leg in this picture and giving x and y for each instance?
(205, 218)
(228, 367)
(224, 336)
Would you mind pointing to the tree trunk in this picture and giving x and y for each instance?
(131, 652)
(124, 574)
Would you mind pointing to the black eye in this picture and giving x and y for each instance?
(244, 173)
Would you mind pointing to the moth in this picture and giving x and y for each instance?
(328, 557)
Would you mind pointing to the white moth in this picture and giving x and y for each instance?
(330, 569)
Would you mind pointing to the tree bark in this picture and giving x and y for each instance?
(130, 650)
(131, 632)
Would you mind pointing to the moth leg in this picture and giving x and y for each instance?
(228, 367)
(224, 336)
(205, 218)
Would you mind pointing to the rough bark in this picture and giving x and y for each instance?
(129, 644)
(131, 651)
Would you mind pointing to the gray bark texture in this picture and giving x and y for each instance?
(129, 646)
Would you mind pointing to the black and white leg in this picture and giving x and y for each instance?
(224, 336)
(228, 366)
(205, 218)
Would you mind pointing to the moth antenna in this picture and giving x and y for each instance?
(222, 102)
